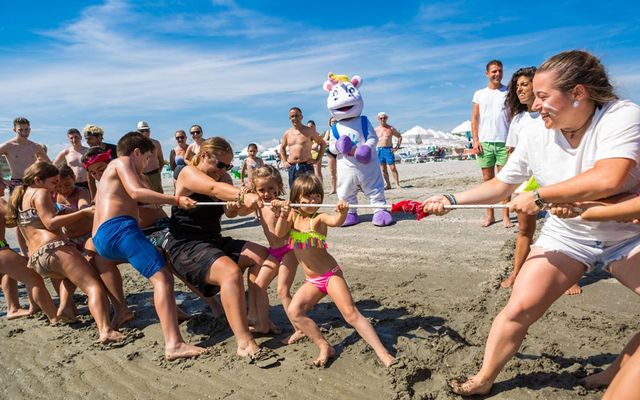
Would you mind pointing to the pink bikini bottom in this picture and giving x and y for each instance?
(321, 281)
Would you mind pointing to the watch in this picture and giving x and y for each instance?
(538, 200)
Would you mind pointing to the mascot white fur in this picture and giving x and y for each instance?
(354, 141)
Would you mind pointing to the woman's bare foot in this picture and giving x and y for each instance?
(121, 317)
(293, 338)
(183, 350)
(575, 289)
(598, 380)
(472, 386)
(325, 355)
(507, 283)
(111, 337)
(66, 317)
(487, 222)
(18, 313)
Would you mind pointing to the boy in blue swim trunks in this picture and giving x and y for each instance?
(117, 236)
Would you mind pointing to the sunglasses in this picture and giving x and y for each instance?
(180, 137)
(226, 167)
(382, 118)
(196, 132)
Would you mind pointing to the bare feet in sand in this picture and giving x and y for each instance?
(66, 317)
(598, 380)
(326, 354)
(473, 386)
(507, 223)
(293, 338)
(388, 360)
(487, 222)
(19, 313)
(183, 350)
(260, 357)
(273, 329)
(507, 283)
(575, 289)
(120, 318)
(111, 337)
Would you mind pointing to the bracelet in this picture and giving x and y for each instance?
(451, 198)
(177, 200)
(240, 199)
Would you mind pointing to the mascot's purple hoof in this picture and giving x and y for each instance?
(382, 218)
(344, 145)
(363, 154)
(352, 219)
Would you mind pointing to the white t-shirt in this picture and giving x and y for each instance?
(522, 123)
(614, 133)
(494, 120)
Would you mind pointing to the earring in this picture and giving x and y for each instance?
(576, 103)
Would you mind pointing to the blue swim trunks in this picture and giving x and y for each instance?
(295, 170)
(120, 238)
(386, 156)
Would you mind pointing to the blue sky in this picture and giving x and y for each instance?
(236, 67)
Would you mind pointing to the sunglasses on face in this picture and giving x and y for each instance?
(221, 165)
(196, 132)
(180, 137)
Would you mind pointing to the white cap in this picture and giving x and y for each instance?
(382, 113)
(143, 125)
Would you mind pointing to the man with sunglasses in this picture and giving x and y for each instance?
(386, 133)
(197, 134)
(154, 167)
(94, 134)
(299, 139)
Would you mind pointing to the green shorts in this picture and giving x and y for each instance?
(493, 153)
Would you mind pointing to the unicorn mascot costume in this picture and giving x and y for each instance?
(354, 140)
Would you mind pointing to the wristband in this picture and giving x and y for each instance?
(177, 201)
(451, 198)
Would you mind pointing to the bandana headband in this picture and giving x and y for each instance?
(102, 157)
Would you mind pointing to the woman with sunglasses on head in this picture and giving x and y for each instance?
(177, 156)
(199, 253)
(589, 149)
(197, 134)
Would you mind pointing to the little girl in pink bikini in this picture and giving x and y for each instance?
(267, 183)
(307, 231)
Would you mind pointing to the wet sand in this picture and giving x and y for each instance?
(431, 289)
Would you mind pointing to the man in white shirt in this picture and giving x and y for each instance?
(489, 129)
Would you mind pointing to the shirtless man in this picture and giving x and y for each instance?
(21, 153)
(117, 236)
(299, 140)
(198, 138)
(386, 149)
(154, 168)
(72, 156)
(94, 135)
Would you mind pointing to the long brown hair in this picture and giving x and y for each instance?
(511, 101)
(577, 67)
(306, 185)
(40, 170)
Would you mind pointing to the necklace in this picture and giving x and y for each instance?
(572, 132)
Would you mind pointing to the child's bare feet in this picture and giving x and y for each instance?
(509, 281)
(487, 222)
(111, 337)
(598, 380)
(183, 350)
(326, 354)
(272, 329)
(507, 223)
(293, 338)
(18, 313)
(121, 317)
(575, 289)
(67, 317)
(473, 386)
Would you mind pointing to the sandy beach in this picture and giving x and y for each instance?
(431, 289)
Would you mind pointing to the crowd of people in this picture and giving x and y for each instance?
(561, 140)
